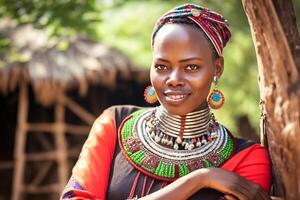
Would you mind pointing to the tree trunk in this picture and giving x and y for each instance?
(277, 44)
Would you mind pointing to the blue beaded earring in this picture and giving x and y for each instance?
(150, 95)
(216, 98)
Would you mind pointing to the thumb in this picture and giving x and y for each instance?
(230, 197)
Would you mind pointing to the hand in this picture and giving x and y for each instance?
(232, 185)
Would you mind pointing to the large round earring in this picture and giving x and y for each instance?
(216, 98)
(150, 95)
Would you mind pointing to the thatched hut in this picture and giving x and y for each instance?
(50, 93)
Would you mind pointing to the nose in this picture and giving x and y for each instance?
(175, 78)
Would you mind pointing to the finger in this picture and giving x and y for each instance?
(276, 198)
(240, 192)
(248, 191)
(257, 192)
(230, 197)
(264, 195)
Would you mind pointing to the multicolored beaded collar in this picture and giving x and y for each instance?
(165, 163)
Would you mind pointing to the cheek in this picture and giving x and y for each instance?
(155, 80)
(201, 84)
(153, 77)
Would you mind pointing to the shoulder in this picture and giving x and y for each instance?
(242, 144)
(245, 145)
(252, 162)
(250, 150)
(247, 152)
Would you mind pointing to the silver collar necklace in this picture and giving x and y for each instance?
(182, 132)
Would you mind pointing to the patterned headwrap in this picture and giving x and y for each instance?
(213, 24)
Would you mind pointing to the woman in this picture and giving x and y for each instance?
(176, 150)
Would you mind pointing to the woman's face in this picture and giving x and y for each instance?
(183, 68)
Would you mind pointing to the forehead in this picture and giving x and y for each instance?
(181, 39)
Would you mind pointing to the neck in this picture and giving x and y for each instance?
(194, 127)
(191, 125)
(199, 112)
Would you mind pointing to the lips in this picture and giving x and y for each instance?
(176, 97)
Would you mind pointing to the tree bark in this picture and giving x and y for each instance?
(277, 44)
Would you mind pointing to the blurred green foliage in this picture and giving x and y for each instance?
(127, 25)
(61, 17)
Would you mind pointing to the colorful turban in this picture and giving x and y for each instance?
(213, 24)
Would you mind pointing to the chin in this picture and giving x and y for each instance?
(176, 110)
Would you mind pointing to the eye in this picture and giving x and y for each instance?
(191, 67)
(160, 67)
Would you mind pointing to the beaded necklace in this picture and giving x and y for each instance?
(156, 159)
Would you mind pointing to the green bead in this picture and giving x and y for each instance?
(157, 170)
(137, 157)
(183, 169)
(207, 164)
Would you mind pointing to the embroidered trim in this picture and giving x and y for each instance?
(164, 163)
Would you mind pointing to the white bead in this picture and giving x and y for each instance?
(153, 134)
(178, 140)
(157, 139)
(148, 129)
(176, 146)
(186, 146)
(191, 146)
(195, 12)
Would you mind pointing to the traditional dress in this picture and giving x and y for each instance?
(121, 159)
(132, 152)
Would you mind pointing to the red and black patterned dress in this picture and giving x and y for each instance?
(106, 168)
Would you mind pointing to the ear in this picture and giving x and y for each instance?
(219, 66)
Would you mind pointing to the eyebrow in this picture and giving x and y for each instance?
(183, 60)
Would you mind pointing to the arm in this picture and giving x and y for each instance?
(242, 177)
(91, 173)
(227, 182)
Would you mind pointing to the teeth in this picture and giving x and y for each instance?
(177, 96)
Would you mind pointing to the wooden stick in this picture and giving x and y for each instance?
(78, 110)
(60, 141)
(41, 127)
(20, 143)
(41, 174)
(51, 188)
(6, 165)
(51, 155)
(50, 127)
(44, 141)
(77, 129)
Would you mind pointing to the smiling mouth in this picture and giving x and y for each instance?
(176, 98)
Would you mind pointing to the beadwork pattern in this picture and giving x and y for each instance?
(164, 163)
(216, 99)
(150, 95)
